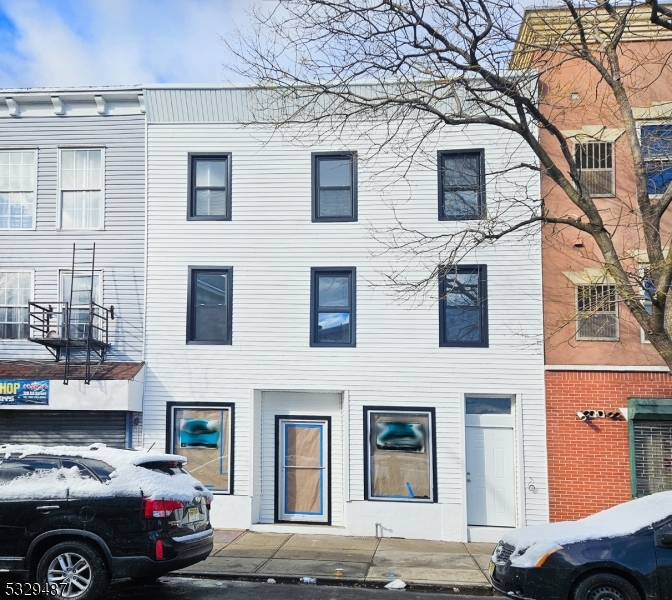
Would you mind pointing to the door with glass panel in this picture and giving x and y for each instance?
(79, 291)
(491, 473)
(303, 465)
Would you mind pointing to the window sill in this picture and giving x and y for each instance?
(208, 343)
(578, 339)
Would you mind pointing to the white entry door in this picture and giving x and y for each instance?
(303, 476)
(491, 475)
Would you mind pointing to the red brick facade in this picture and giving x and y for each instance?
(588, 462)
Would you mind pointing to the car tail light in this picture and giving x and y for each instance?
(158, 548)
(155, 509)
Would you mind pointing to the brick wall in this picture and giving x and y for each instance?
(588, 462)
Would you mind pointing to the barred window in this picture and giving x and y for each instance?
(596, 164)
(597, 312)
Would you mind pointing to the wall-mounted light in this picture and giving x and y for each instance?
(574, 96)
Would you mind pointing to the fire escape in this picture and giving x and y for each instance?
(76, 330)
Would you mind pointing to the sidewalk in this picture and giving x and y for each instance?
(364, 561)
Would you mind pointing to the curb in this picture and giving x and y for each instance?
(458, 589)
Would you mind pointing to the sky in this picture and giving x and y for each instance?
(54, 43)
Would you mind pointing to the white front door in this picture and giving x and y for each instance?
(302, 480)
(490, 459)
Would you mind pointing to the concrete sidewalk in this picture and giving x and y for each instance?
(438, 566)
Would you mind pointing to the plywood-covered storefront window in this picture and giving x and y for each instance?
(400, 455)
(203, 434)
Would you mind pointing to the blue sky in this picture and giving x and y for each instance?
(115, 42)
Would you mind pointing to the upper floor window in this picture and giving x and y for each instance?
(210, 187)
(15, 293)
(332, 307)
(209, 305)
(595, 161)
(657, 154)
(334, 186)
(79, 292)
(81, 189)
(461, 185)
(17, 189)
(463, 316)
(597, 312)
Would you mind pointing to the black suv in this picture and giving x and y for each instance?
(72, 519)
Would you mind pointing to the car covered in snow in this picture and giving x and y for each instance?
(73, 518)
(622, 553)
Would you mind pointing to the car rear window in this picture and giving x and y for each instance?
(101, 469)
(169, 468)
(18, 467)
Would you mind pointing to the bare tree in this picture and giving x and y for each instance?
(438, 63)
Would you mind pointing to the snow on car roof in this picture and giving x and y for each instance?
(126, 479)
(624, 519)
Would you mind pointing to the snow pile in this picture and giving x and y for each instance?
(127, 479)
(533, 542)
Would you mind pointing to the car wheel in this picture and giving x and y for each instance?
(74, 569)
(605, 586)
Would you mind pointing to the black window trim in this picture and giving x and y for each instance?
(170, 415)
(229, 308)
(315, 272)
(367, 455)
(191, 179)
(483, 299)
(314, 185)
(481, 192)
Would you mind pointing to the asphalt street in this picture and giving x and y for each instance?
(182, 588)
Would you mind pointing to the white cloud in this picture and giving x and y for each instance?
(116, 42)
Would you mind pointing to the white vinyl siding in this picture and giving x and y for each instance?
(81, 188)
(18, 182)
(272, 245)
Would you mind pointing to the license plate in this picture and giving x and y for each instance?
(193, 515)
(491, 568)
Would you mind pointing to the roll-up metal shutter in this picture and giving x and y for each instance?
(63, 427)
(653, 456)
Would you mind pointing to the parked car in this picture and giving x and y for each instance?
(622, 553)
(72, 519)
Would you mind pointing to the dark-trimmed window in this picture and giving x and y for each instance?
(461, 185)
(332, 306)
(463, 316)
(399, 454)
(210, 187)
(657, 154)
(334, 176)
(209, 309)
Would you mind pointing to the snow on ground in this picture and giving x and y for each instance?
(127, 479)
(624, 519)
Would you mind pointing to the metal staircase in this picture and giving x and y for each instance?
(77, 328)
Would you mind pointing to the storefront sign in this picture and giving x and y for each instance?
(23, 391)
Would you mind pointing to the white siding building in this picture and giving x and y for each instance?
(72, 171)
(300, 388)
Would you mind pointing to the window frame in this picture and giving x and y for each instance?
(578, 315)
(482, 198)
(433, 469)
(640, 126)
(483, 307)
(35, 176)
(172, 406)
(32, 298)
(577, 147)
(66, 272)
(59, 182)
(192, 271)
(193, 157)
(315, 273)
(315, 186)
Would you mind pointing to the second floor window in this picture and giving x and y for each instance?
(81, 189)
(657, 154)
(597, 312)
(210, 187)
(17, 189)
(79, 292)
(334, 186)
(209, 305)
(461, 185)
(15, 293)
(463, 316)
(332, 307)
(595, 161)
